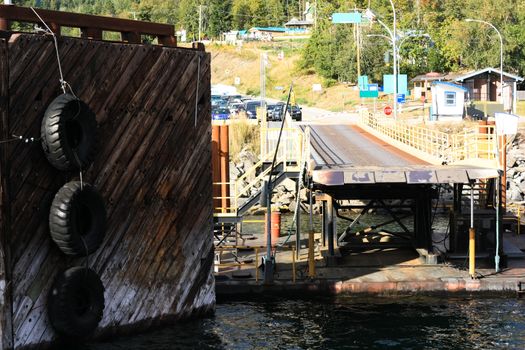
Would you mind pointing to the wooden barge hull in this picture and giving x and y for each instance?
(152, 168)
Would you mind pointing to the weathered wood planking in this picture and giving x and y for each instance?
(6, 311)
(153, 168)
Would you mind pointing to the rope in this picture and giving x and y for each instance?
(87, 251)
(20, 138)
(298, 198)
(63, 83)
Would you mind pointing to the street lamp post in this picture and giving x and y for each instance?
(500, 49)
(393, 36)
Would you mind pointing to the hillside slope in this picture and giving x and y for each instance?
(230, 62)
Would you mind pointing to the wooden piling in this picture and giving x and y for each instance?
(225, 167)
(152, 168)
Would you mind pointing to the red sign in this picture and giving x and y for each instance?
(388, 110)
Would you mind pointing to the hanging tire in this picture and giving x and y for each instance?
(76, 302)
(69, 133)
(77, 220)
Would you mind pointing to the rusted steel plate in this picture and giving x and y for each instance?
(407, 174)
(329, 178)
(422, 176)
(390, 176)
(359, 177)
(452, 176)
(475, 173)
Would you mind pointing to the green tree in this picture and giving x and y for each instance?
(220, 17)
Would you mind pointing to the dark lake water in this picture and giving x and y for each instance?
(345, 323)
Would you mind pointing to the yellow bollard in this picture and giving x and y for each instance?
(311, 256)
(256, 264)
(472, 252)
(519, 219)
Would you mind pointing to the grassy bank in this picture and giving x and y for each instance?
(230, 62)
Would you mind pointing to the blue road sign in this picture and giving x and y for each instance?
(401, 98)
(373, 87)
(362, 82)
(342, 18)
(388, 84)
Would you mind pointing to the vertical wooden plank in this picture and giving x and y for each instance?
(6, 307)
(131, 37)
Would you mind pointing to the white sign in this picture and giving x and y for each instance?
(317, 88)
(507, 97)
(506, 123)
(237, 81)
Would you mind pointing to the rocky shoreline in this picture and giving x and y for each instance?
(516, 169)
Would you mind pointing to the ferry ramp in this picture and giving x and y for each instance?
(352, 168)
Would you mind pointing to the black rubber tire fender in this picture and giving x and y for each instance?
(77, 219)
(76, 302)
(69, 133)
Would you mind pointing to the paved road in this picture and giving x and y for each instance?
(339, 145)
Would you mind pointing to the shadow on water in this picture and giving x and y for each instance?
(345, 322)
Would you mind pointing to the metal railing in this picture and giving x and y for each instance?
(291, 156)
(258, 252)
(471, 144)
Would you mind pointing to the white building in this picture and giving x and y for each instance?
(448, 101)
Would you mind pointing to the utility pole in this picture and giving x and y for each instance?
(315, 14)
(358, 41)
(200, 21)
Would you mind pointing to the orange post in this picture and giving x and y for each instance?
(472, 252)
(276, 227)
(225, 167)
(215, 167)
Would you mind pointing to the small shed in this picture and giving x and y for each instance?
(423, 84)
(448, 101)
(485, 85)
(295, 23)
(265, 33)
(231, 37)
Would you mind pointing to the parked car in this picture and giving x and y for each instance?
(234, 99)
(236, 108)
(251, 108)
(215, 100)
(269, 111)
(294, 111)
(220, 113)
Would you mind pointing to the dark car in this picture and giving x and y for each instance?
(251, 108)
(294, 111)
(220, 113)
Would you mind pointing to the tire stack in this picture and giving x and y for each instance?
(77, 219)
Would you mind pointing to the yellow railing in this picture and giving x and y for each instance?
(436, 145)
(258, 251)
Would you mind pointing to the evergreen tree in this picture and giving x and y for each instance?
(220, 17)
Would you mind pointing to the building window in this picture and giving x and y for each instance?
(450, 98)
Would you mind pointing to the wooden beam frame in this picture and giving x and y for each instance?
(91, 26)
